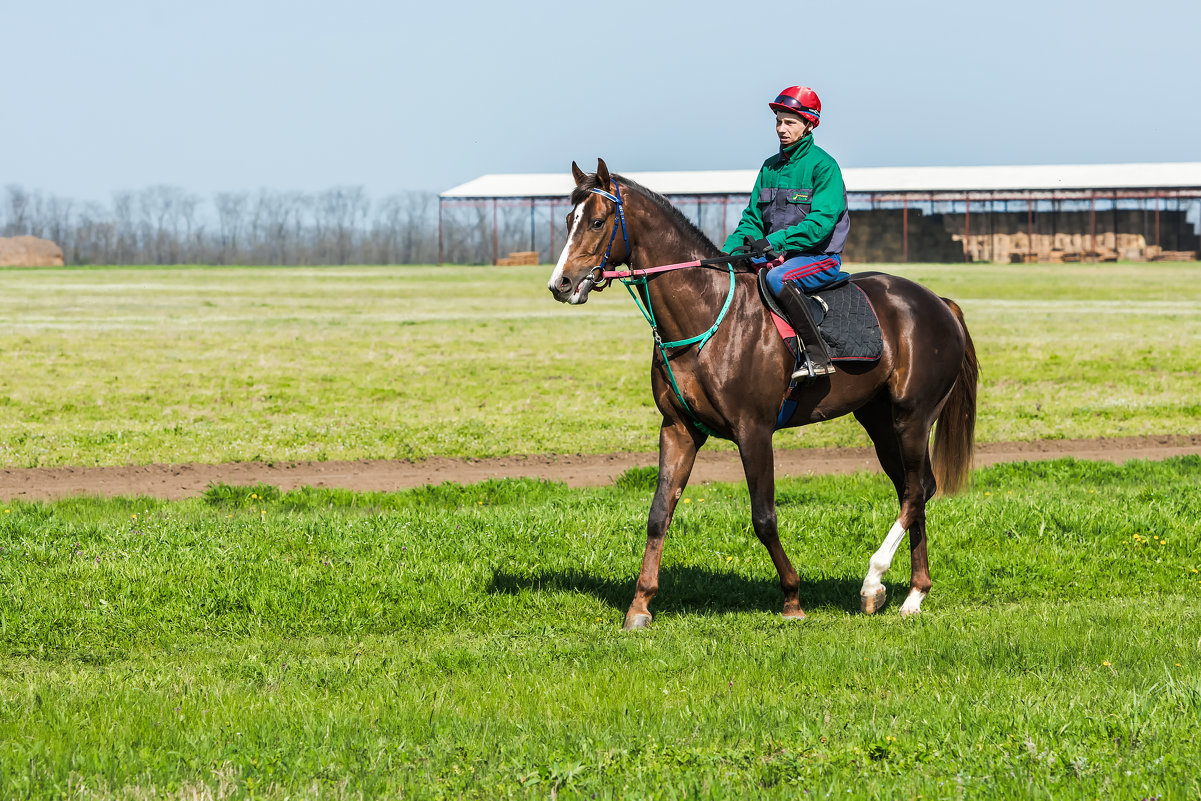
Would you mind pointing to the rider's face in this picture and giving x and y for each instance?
(791, 128)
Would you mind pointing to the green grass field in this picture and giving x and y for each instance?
(463, 642)
(106, 366)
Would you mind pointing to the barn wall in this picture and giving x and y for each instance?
(1011, 236)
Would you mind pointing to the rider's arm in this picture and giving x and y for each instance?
(828, 205)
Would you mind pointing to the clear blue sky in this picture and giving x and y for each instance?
(243, 94)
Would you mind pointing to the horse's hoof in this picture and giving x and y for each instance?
(870, 604)
(796, 617)
(639, 621)
(913, 604)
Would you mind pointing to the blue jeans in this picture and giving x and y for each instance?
(811, 271)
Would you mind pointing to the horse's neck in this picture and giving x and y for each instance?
(684, 302)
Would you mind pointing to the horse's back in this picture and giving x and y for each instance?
(898, 297)
(925, 339)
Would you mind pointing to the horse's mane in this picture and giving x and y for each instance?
(685, 226)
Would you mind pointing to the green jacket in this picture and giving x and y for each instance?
(799, 203)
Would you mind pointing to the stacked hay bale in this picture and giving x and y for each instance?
(519, 257)
(29, 251)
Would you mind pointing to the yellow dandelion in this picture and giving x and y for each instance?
(687, 500)
(1105, 663)
(729, 559)
(700, 500)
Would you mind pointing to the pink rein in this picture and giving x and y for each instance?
(608, 275)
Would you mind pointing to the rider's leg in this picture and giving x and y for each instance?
(817, 358)
(810, 273)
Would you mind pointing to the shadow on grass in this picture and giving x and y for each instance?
(686, 590)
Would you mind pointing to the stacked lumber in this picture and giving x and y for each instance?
(519, 257)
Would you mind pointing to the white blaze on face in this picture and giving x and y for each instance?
(557, 275)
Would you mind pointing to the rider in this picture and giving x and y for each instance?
(798, 208)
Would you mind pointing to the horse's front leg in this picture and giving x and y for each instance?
(758, 463)
(678, 444)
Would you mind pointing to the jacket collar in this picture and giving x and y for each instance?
(797, 150)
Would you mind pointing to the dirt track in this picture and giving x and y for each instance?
(189, 480)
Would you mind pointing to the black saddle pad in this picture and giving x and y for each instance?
(844, 316)
(847, 322)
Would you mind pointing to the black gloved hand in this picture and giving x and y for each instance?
(760, 247)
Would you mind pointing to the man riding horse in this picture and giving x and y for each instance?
(798, 208)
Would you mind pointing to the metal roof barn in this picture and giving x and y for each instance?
(965, 192)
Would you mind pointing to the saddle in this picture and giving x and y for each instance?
(844, 317)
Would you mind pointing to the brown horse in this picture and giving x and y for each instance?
(734, 385)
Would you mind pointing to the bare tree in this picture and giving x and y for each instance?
(231, 218)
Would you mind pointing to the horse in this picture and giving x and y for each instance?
(733, 384)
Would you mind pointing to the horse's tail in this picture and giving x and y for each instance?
(955, 431)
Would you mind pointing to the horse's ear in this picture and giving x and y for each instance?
(602, 174)
(577, 173)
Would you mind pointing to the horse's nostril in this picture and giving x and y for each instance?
(564, 284)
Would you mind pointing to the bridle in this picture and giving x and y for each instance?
(599, 276)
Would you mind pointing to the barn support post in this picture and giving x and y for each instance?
(905, 230)
(1029, 229)
(725, 203)
(992, 227)
(1179, 224)
(967, 227)
(1115, 225)
(495, 233)
(1156, 222)
(440, 259)
(1092, 226)
(532, 224)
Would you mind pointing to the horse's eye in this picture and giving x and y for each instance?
(597, 223)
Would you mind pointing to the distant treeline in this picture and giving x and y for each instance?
(341, 225)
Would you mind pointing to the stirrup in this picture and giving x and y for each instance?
(810, 370)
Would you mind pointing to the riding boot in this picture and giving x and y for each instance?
(816, 357)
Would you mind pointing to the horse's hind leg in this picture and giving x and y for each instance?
(678, 444)
(901, 442)
(758, 463)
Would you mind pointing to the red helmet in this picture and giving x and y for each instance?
(799, 100)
